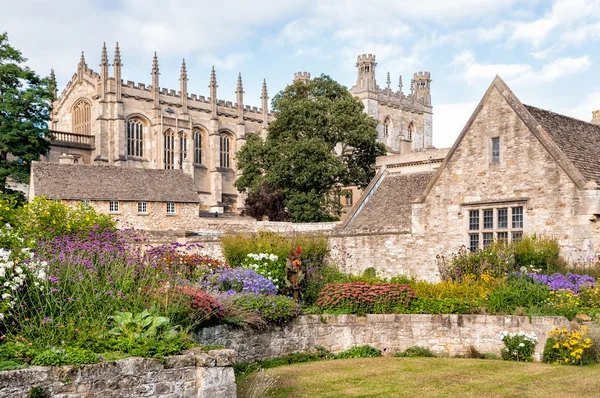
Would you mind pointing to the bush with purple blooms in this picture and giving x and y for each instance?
(238, 280)
(567, 281)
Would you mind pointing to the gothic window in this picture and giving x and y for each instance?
(135, 137)
(411, 131)
(387, 126)
(169, 149)
(197, 146)
(81, 118)
(494, 223)
(225, 147)
(182, 148)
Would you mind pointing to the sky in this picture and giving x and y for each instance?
(546, 51)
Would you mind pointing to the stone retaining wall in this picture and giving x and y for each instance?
(443, 334)
(193, 375)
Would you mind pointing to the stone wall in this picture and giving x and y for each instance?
(443, 334)
(194, 375)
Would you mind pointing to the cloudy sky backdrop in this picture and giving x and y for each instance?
(547, 51)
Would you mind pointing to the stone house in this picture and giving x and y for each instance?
(515, 169)
(101, 119)
(154, 199)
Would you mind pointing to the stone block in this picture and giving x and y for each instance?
(223, 357)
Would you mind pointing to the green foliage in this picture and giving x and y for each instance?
(25, 101)
(416, 352)
(496, 260)
(298, 157)
(518, 292)
(518, 346)
(568, 347)
(318, 353)
(159, 346)
(364, 351)
(236, 247)
(361, 298)
(320, 276)
(138, 326)
(426, 305)
(65, 356)
(541, 253)
(36, 392)
(11, 365)
(275, 310)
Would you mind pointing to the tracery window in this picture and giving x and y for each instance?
(197, 146)
(225, 147)
(387, 125)
(135, 137)
(411, 130)
(81, 118)
(169, 149)
(182, 148)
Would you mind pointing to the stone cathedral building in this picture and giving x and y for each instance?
(101, 119)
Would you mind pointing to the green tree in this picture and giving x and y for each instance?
(320, 142)
(25, 103)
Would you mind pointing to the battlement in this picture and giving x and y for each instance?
(302, 77)
(422, 75)
(365, 58)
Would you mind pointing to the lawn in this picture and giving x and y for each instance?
(434, 377)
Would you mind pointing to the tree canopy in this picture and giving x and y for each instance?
(25, 103)
(321, 141)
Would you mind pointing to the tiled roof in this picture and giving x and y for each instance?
(578, 140)
(76, 181)
(389, 208)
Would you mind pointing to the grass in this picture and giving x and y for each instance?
(433, 377)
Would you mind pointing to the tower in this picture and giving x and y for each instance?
(366, 72)
(422, 86)
(303, 77)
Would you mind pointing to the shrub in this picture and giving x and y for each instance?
(414, 352)
(270, 266)
(266, 201)
(36, 392)
(518, 292)
(540, 253)
(274, 310)
(496, 260)
(205, 309)
(65, 356)
(364, 351)
(361, 298)
(468, 290)
(590, 296)
(564, 302)
(318, 277)
(594, 351)
(426, 305)
(565, 347)
(518, 346)
(176, 260)
(239, 280)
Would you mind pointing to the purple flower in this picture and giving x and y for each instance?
(570, 281)
(239, 280)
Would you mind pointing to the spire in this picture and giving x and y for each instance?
(389, 83)
(53, 85)
(400, 85)
(183, 75)
(117, 55)
(412, 86)
(155, 85)
(240, 99)
(82, 63)
(104, 58)
(265, 104)
(183, 87)
(213, 93)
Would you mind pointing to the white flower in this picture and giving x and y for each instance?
(19, 270)
(5, 296)
(521, 344)
(2, 272)
(273, 257)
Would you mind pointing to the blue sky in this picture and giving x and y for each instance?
(547, 51)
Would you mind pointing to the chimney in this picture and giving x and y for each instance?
(65, 158)
(596, 117)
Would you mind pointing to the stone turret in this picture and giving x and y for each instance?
(303, 77)
(366, 72)
(265, 104)
(213, 93)
(155, 83)
(81, 67)
(183, 79)
(103, 70)
(239, 91)
(422, 86)
(596, 117)
(117, 71)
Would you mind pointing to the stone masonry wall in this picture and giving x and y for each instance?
(194, 375)
(443, 334)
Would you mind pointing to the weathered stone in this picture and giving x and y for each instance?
(223, 357)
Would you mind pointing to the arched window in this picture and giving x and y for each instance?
(197, 146)
(182, 148)
(411, 130)
(169, 149)
(387, 126)
(135, 137)
(81, 118)
(225, 150)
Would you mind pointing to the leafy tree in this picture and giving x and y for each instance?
(25, 101)
(320, 142)
(267, 201)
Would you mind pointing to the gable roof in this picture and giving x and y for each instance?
(387, 206)
(78, 182)
(552, 131)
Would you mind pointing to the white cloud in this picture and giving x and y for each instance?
(470, 70)
(583, 111)
(228, 62)
(449, 120)
(554, 70)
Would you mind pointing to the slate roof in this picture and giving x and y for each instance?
(77, 181)
(578, 140)
(389, 207)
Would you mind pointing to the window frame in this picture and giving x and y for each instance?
(198, 136)
(114, 206)
(81, 117)
(135, 137)
(478, 224)
(171, 208)
(496, 153)
(142, 207)
(169, 149)
(225, 150)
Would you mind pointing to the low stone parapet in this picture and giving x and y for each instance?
(195, 374)
(451, 335)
